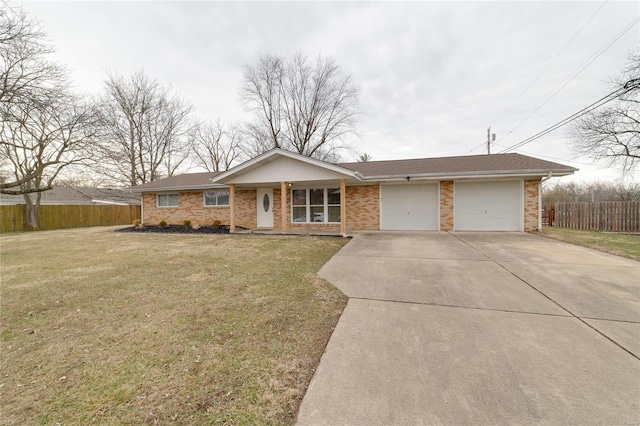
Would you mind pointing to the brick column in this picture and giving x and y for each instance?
(446, 206)
(284, 214)
(343, 209)
(232, 208)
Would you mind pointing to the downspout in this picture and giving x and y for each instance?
(142, 208)
(549, 176)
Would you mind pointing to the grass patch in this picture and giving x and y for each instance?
(625, 245)
(120, 328)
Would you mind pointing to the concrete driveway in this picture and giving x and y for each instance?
(479, 328)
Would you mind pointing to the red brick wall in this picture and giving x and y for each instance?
(446, 206)
(191, 207)
(531, 205)
(363, 207)
(245, 212)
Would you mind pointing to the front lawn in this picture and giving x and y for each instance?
(120, 328)
(620, 244)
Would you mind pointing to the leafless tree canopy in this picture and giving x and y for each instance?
(589, 192)
(216, 147)
(363, 158)
(305, 106)
(145, 130)
(612, 133)
(44, 127)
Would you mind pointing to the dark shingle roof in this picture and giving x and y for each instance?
(456, 165)
(437, 167)
(181, 181)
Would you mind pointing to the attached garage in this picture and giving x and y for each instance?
(488, 206)
(409, 207)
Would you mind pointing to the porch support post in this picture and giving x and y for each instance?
(232, 208)
(284, 214)
(343, 209)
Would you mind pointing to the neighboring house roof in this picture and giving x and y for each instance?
(495, 165)
(78, 196)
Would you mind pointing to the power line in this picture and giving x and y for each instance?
(552, 60)
(630, 85)
(562, 159)
(576, 73)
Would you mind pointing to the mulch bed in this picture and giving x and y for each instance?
(178, 229)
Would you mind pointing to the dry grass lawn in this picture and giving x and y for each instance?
(625, 245)
(121, 328)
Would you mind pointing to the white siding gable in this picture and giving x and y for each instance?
(285, 170)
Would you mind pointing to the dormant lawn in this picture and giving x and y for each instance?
(625, 245)
(119, 328)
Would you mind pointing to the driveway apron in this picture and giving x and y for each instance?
(479, 328)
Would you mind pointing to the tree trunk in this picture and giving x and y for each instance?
(31, 210)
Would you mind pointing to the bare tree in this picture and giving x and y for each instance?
(308, 107)
(363, 158)
(44, 127)
(217, 147)
(145, 130)
(589, 192)
(612, 133)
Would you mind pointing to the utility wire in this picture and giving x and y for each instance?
(629, 86)
(551, 62)
(576, 73)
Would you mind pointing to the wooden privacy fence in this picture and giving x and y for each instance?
(12, 218)
(606, 216)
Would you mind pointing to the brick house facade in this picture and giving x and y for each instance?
(359, 186)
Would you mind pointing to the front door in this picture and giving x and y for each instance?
(265, 207)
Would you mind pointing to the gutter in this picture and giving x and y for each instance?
(444, 176)
(176, 188)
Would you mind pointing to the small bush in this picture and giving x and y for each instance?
(216, 223)
(163, 223)
(186, 222)
(137, 223)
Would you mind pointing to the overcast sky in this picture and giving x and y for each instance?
(433, 75)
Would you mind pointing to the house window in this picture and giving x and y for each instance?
(167, 200)
(216, 198)
(317, 205)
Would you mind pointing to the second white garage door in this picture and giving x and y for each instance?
(488, 206)
(410, 207)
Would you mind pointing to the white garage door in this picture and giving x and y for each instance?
(488, 206)
(410, 207)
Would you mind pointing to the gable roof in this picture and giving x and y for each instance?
(494, 164)
(277, 153)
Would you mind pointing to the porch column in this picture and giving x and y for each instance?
(343, 209)
(284, 214)
(232, 208)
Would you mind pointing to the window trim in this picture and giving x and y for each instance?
(167, 194)
(204, 198)
(308, 205)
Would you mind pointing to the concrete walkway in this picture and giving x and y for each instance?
(478, 329)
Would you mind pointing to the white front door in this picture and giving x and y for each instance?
(264, 203)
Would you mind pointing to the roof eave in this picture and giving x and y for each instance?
(177, 188)
(482, 174)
